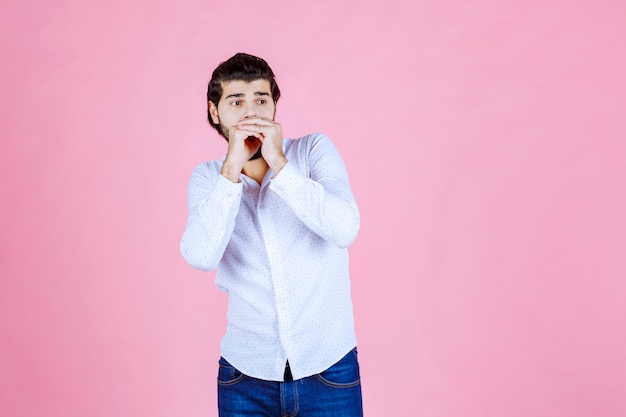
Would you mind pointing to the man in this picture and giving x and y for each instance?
(275, 217)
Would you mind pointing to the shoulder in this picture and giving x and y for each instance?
(307, 144)
(207, 167)
(206, 170)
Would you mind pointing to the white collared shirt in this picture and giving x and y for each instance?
(280, 249)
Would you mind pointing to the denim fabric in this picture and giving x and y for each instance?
(336, 392)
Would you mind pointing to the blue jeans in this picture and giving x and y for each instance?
(336, 392)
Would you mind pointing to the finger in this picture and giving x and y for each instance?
(243, 134)
(256, 121)
(257, 132)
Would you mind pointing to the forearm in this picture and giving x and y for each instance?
(211, 221)
(325, 206)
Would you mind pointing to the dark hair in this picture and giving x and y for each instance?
(240, 67)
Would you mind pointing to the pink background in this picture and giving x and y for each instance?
(486, 146)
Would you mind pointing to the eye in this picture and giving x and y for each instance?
(235, 103)
(262, 101)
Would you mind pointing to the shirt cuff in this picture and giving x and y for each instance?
(288, 181)
(225, 194)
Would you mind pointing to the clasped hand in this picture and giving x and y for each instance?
(246, 137)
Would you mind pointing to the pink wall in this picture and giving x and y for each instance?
(486, 145)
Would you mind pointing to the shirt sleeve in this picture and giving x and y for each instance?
(213, 206)
(321, 197)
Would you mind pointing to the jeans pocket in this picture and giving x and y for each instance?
(228, 374)
(343, 374)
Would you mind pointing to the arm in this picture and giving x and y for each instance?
(322, 200)
(213, 205)
(214, 199)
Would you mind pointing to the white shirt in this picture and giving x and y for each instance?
(280, 249)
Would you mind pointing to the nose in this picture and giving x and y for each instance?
(249, 112)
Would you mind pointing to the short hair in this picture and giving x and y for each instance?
(240, 67)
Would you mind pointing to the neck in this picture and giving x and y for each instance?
(256, 169)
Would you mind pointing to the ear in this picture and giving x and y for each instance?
(213, 112)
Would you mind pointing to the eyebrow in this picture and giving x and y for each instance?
(256, 93)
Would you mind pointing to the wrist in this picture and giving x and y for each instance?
(230, 171)
(277, 164)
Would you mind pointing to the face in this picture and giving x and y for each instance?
(241, 100)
